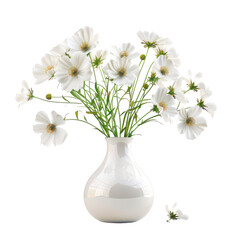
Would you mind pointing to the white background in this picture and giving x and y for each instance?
(41, 189)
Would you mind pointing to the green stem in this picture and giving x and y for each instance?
(144, 81)
(45, 100)
(135, 82)
(178, 105)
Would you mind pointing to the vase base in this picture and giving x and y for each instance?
(112, 210)
(118, 222)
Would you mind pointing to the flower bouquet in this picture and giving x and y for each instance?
(114, 98)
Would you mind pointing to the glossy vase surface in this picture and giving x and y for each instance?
(118, 191)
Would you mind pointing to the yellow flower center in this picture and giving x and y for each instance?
(123, 54)
(48, 68)
(50, 128)
(122, 71)
(84, 46)
(163, 105)
(190, 121)
(73, 71)
(164, 70)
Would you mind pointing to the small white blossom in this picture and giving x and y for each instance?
(193, 82)
(170, 53)
(72, 72)
(49, 129)
(83, 40)
(98, 57)
(46, 70)
(25, 95)
(165, 103)
(152, 39)
(175, 215)
(61, 49)
(126, 50)
(121, 71)
(165, 69)
(179, 92)
(202, 103)
(190, 123)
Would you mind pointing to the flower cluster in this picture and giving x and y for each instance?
(111, 92)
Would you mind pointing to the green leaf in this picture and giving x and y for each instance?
(65, 99)
(76, 113)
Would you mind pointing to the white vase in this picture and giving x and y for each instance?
(118, 191)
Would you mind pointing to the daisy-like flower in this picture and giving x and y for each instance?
(170, 53)
(98, 57)
(193, 81)
(165, 69)
(72, 72)
(126, 50)
(61, 49)
(46, 70)
(25, 95)
(152, 40)
(49, 129)
(191, 124)
(204, 94)
(176, 91)
(175, 215)
(121, 71)
(83, 40)
(164, 103)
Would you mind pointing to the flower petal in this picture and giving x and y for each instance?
(59, 136)
(46, 139)
(39, 128)
(57, 119)
(42, 117)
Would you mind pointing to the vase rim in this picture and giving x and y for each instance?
(118, 139)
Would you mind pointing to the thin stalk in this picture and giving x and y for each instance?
(135, 82)
(45, 100)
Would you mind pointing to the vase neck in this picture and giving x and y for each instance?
(118, 148)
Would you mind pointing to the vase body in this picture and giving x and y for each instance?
(118, 191)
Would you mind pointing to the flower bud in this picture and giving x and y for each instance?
(145, 86)
(143, 57)
(49, 96)
(153, 74)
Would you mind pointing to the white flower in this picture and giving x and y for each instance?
(152, 39)
(98, 57)
(83, 40)
(192, 78)
(165, 69)
(126, 50)
(193, 81)
(175, 215)
(25, 95)
(174, 57)
(61, 49)
(165, 103)
(178, 92)
(72, 72)
(121, 71)
(45, 71)
(190, 122)
(204, 94)
(170, 53)
(49, 129)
